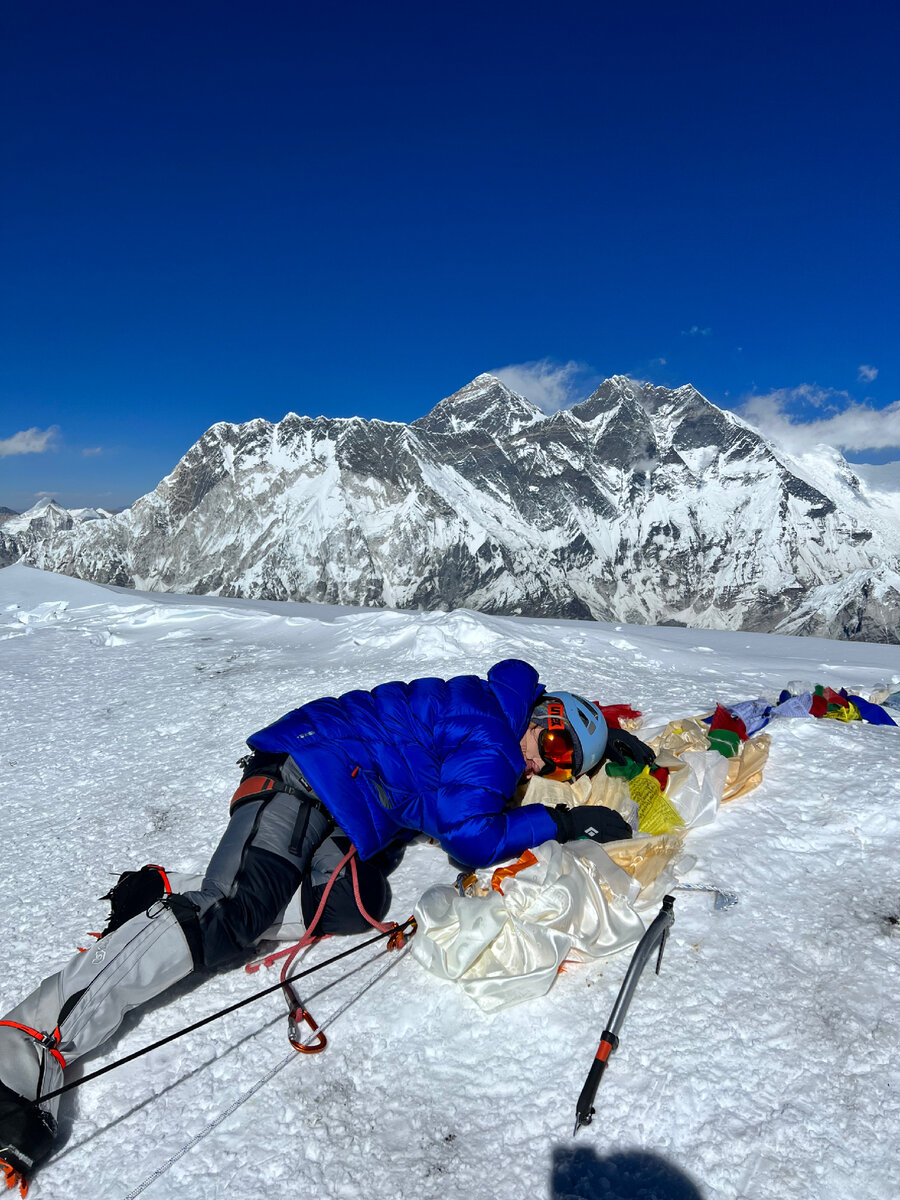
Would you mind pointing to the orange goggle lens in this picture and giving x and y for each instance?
(557, 751)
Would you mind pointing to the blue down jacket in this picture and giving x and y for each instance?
(436, 756)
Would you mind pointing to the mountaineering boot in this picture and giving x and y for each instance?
(26, 1138)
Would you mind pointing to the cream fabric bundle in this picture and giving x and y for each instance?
(581, 900)
(503, 948)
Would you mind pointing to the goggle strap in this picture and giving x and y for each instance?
(555, 715)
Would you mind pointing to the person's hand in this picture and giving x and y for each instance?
(591, 821)
(620, 745)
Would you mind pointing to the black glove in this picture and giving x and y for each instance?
(591, 821)
(621, 745)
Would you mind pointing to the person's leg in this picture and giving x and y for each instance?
(74, 1011)
(341, 914)
(253, 873)
(258, 864)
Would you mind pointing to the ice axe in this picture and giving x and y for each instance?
(655, 936)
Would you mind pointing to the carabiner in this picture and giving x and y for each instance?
(298, 1015)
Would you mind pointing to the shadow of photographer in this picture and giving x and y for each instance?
(581, 1174)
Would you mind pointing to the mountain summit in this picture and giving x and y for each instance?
(485, 404)
(642, 504)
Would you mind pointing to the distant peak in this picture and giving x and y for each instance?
(44, 503)
(485, 402)
(485, 383)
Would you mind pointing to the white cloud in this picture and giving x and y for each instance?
(696, 331)
(867, 373)
(549, 385)
(850, 426)
(28, 441)
(92, 451)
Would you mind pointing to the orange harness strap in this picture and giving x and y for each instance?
(49, 1041)
(250, 788)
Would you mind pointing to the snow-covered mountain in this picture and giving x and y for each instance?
(641, 504)
(20, 531)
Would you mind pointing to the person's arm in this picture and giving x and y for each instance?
(493, 836)
(485, 840)
(594, 821)
(480, 765)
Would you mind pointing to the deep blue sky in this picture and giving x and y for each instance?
(219, 210)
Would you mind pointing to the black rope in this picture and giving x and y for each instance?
(67, 1087)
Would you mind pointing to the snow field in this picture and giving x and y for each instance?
(761, 1063)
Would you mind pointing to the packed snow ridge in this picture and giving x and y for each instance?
(642, 504)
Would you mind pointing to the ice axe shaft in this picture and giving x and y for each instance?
(655, 936)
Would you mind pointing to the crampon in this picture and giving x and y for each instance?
(13, 1178)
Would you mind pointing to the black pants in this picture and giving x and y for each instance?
(273, 845)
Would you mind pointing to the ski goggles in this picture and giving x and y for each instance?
(557, 749)
(556, 745)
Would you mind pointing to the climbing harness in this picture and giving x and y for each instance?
(656, 935)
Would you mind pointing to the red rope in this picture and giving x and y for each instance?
(309, 937)
(359, 904)
(291, 952)
(297, 1012)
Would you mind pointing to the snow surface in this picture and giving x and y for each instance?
(761, 1063)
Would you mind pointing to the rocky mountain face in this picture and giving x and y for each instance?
(641, 504)
(864, 606)
(20, 531)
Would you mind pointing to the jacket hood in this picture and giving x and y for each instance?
(517, 688)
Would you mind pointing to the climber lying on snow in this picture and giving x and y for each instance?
(375, 768)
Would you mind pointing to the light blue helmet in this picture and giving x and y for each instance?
(585, 723)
